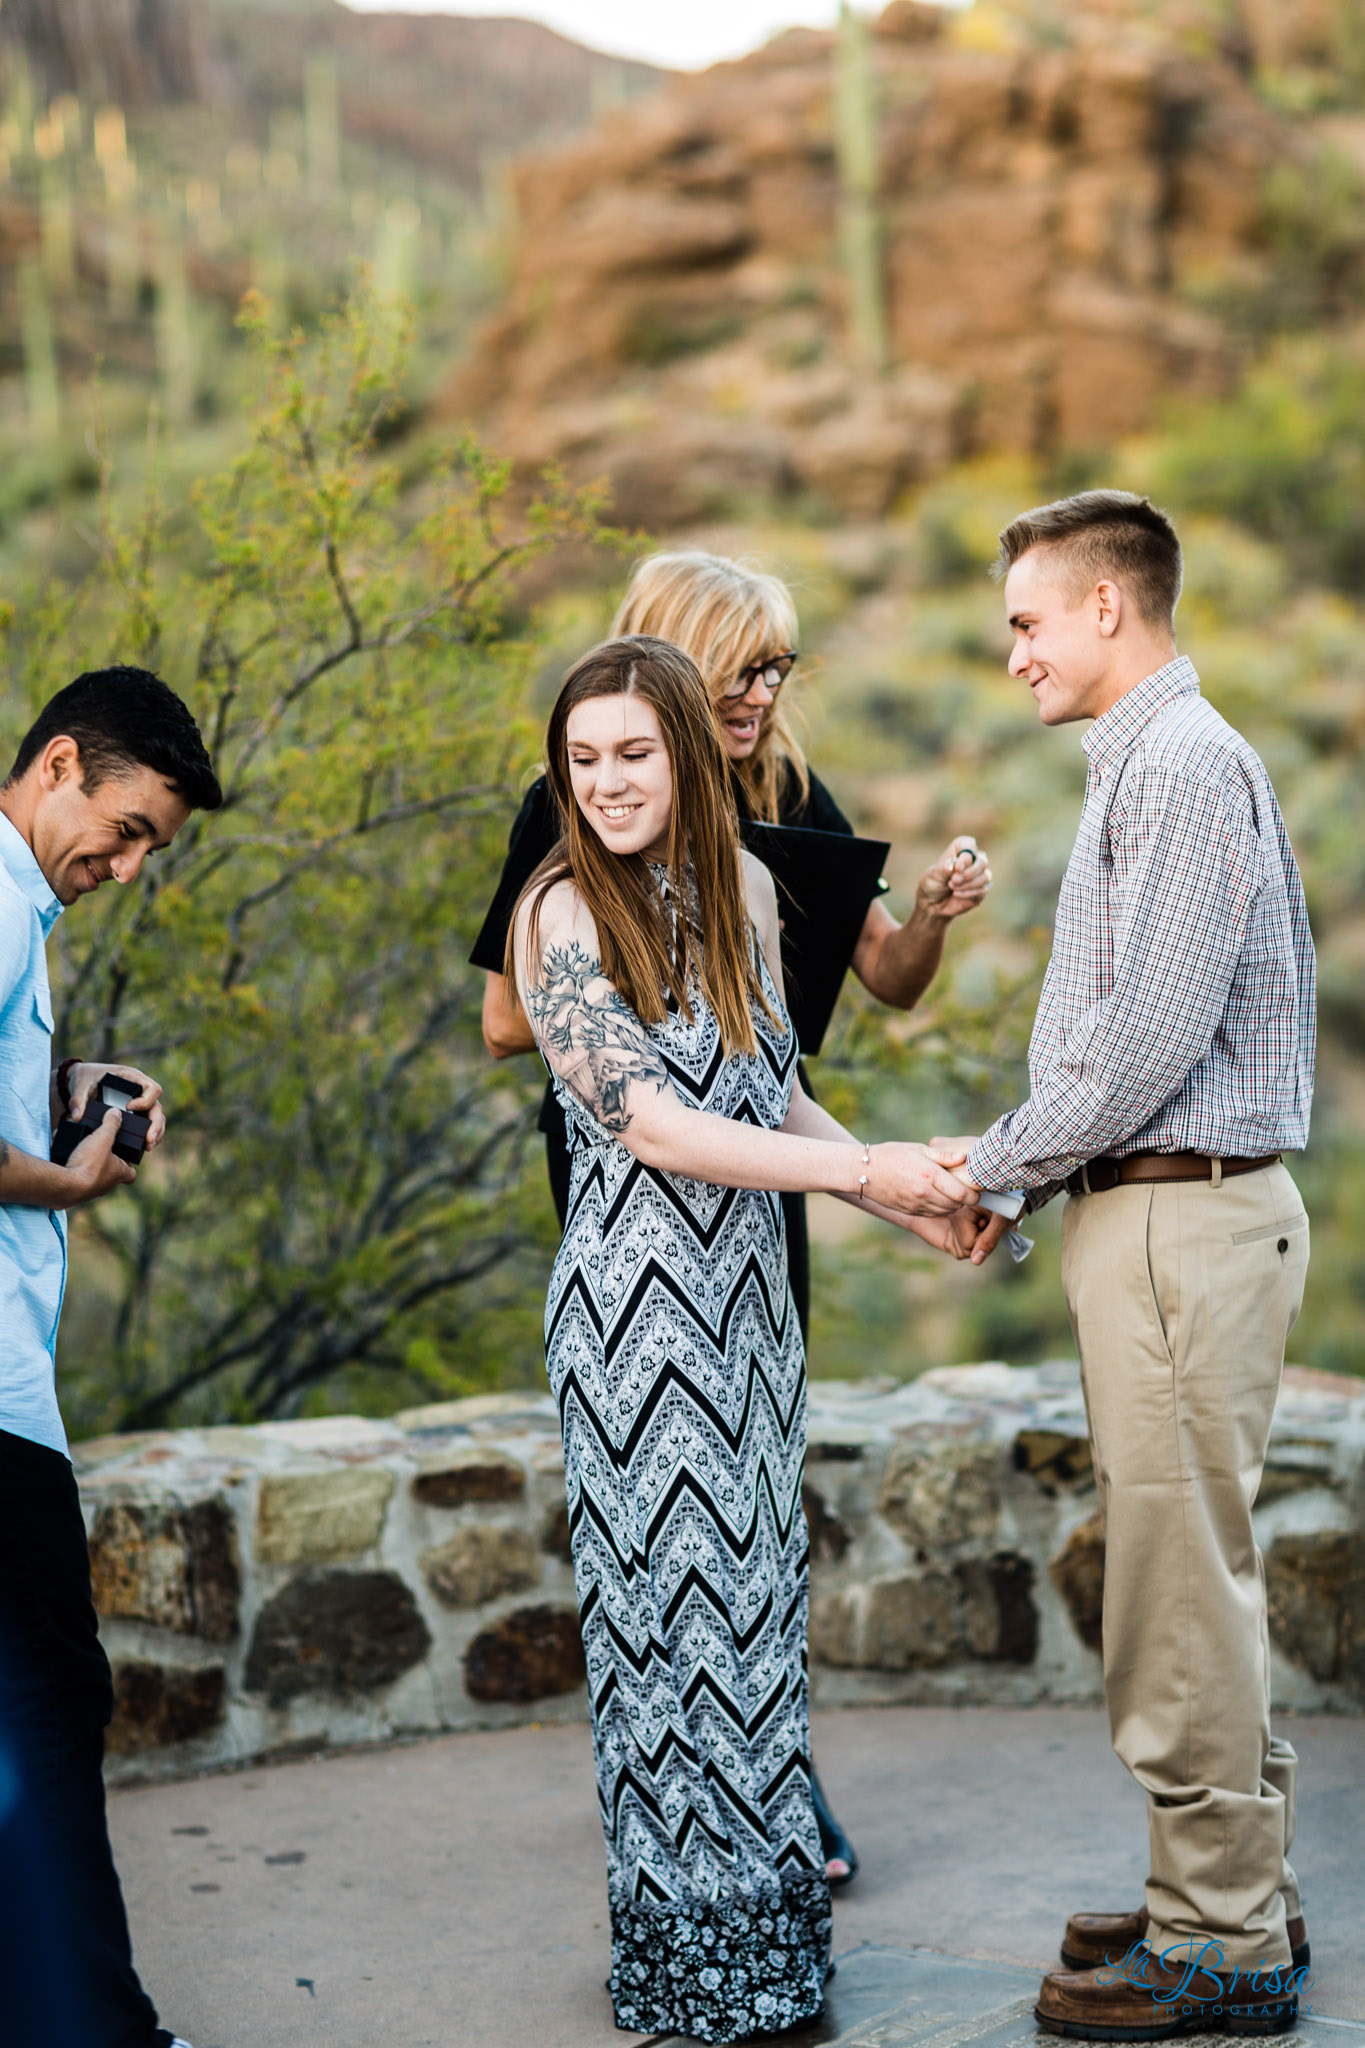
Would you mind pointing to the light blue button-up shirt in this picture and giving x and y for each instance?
(32, 1241)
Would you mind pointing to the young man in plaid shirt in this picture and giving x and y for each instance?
(1171, 1067)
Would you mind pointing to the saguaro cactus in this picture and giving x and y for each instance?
(59, 234)
(395, 255)
(322, 122)
(42, 383)
(19, 100)
(59, 224)
(860, 228)
(175, 350)
(122, 239)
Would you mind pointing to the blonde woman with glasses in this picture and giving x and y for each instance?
(739, 625)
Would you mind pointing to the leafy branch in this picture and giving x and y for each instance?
(343, 1166)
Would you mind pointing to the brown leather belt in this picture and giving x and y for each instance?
(1097, 1176)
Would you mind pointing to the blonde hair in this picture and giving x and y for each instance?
(724, 614)
(646, 956)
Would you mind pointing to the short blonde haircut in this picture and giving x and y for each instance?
(1104, 534)
(724, 615)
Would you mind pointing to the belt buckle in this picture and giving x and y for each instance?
(1085, 1178)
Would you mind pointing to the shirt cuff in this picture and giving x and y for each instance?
(985, 1169)
(993, 1163)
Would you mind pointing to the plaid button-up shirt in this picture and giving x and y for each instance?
(1177, 1013)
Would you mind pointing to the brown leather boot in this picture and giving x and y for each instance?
(1143, 1999)
(1092, 1938)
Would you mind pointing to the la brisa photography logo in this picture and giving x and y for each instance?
(1192, 1978)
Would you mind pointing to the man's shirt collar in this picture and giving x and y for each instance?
(1113, 733)
(19, 860)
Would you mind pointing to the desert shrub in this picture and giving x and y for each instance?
(1284, 457)
(341, 1172)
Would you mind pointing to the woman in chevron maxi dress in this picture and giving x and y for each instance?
(674, 1351)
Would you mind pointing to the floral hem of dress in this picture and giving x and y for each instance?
(722, 1969)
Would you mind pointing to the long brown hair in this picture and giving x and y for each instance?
(646, 954)
(725, 614)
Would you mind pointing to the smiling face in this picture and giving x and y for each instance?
(621, 774)
(1063, 644)
(81, 837)
(741, 719)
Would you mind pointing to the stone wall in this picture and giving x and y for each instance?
(278, 1589)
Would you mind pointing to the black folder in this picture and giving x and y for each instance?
(825, 882)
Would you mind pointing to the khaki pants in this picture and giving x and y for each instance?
(1181, 1296)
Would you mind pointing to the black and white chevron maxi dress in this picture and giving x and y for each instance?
(677, 1362)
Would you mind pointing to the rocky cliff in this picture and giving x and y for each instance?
(1066, 202)
(445, 91)
(136, 52)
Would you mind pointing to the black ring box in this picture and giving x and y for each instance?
(111, 1091)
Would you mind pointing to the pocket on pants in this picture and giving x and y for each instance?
(1163, 1278)
(1285, 1229)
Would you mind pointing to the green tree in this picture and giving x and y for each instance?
(342, 1158)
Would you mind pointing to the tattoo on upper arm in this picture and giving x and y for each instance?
(591, 1037)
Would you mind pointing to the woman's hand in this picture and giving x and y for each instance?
(897, 962)
(914, 1180)
(956, 883)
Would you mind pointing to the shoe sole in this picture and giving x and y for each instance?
(1200, 2022)
(1301, 1958)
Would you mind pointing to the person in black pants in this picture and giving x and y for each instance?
(739, 626)
(108, 774)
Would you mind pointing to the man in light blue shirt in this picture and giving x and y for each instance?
(106, 777)
(32, 1238)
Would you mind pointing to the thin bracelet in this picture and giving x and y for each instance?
(862, 1177)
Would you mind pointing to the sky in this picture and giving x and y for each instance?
(683, 34)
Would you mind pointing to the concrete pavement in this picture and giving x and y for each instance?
(450, 1894)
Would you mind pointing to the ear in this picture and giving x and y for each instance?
(59, 762)
(1108, 601)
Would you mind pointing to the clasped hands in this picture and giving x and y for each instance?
(925, 1182)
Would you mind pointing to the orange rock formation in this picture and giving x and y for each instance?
(1052, 207)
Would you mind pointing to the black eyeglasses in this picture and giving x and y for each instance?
(772, 671)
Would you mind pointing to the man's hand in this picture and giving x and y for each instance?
(956, 883)
(912, 1179)
(92, 1169)
(995, 1228)
(956, 1236)
(81, 1080)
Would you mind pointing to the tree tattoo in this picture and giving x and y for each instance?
(593, 1040)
